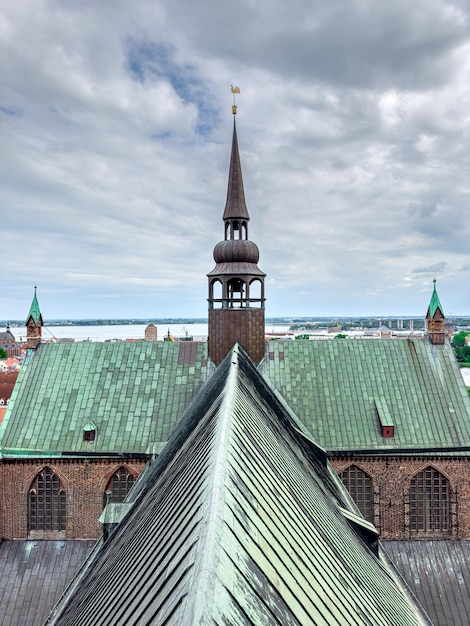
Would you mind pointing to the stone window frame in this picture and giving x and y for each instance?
(46, 503)
(119, 484)
(374, 516)
(428, 531)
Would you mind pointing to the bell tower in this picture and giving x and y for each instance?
(435, 319)
(34, 324)
(236, 284)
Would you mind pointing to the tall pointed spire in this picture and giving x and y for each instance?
(34, 310)
(435, 319)
(235, 206)
(435, 302)
(236, 284)
(34, 323)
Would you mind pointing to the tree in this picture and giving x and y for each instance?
(462, 351)
(459, 339)
(3, 353)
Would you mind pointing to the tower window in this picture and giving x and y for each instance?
(47, 502)
(429, 502)
(359, 485)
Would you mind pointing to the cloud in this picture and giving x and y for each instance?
(116, 125)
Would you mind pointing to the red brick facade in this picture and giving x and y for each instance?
(391, 480)
(435, 328)
(84, 481)
(227, 326)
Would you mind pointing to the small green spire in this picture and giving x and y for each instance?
(34, 311)
(435, 303)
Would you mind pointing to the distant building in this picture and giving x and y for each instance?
(9, 343)
(151, 333)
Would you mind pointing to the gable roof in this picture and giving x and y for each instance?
(206, 540)
(133, 392)
(344, 390)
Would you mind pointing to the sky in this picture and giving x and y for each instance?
(115, 132)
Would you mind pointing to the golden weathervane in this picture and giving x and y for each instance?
(234, 91)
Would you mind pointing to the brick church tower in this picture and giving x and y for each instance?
(236, 284)
(435, 319)
(34, 324)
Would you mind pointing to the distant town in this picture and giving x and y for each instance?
(295, 322)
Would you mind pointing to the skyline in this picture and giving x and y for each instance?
(353, 130)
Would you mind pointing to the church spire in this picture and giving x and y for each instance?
(235, 206)
(34, 323)
(236, 284)
(435, 319)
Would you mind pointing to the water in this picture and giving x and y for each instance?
(114, 332)
(124, 331)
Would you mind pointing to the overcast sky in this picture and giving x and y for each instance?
(115, 131)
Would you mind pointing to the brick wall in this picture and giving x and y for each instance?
(84, 481)
(391, 478)
(227, 326)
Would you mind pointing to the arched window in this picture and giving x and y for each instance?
(429, 502)
(47, 502)
(215, 294)
(359, 485)
(119, 485)
(236, 292)
(256, 293)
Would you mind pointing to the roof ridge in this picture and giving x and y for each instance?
(199, 609)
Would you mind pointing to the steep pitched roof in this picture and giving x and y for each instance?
(34, 310)
(434, 304)
(344, 390)
(240, 521)
(133, 392)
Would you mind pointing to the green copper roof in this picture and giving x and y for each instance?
(435, 303)
(241, 520)
(34, 310)
(345, 391)
(132, 392)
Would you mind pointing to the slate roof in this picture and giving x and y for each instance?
(438, 573)
(133, 393)
(33, 576)
(343, 390)
(241, 520)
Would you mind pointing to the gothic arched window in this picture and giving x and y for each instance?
(119, 485)
(429, 502)
(47, 502)
(359, 485)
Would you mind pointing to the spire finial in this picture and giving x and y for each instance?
(234, 91)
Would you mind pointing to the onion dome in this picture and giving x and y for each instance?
(236, 251)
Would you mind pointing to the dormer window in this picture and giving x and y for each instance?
(89, 432)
